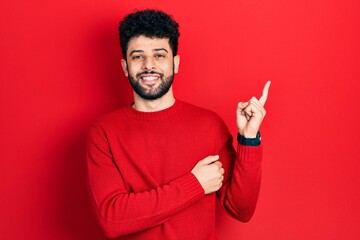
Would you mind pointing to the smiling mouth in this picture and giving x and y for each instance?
(149, 78)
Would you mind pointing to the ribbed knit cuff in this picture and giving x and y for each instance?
(191, 185)
(250, 154)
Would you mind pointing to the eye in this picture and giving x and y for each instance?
(135, 57)
(159, 55)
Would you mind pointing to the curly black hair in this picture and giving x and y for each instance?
(149, 23)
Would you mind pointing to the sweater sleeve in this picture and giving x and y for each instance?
(240, 191)
(122, 212)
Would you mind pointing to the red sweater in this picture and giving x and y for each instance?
(140, 180)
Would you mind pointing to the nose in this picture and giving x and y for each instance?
(148, 64)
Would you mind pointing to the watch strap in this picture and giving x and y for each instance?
(249, 141)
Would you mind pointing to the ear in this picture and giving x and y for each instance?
(176, 63)
(124, 67)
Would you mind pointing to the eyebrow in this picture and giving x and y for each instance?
(160, 49)
(154, 50)
(135, 51)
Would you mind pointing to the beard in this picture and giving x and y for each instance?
(154, 92)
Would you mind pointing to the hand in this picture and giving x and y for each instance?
(249, 115)
(209, 173)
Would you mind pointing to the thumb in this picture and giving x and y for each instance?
(208, 160)
(242, 105)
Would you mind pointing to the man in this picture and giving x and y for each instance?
(156, 167)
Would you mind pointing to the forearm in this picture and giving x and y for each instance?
(122, 213)
(240, 192)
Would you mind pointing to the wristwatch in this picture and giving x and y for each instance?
(249, 141)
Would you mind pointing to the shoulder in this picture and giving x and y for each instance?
(205, 119)
(111, 118)
(200, 113)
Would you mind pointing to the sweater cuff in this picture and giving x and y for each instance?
(191, 185)
(251, 154)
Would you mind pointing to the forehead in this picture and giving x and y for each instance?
(147, 44)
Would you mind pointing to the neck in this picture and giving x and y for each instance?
(144, 105)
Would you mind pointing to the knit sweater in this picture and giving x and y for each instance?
(140, 180)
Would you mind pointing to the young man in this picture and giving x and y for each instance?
(156, 167)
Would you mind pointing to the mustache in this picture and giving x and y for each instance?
(150, 72)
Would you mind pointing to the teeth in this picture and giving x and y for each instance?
(149, 78)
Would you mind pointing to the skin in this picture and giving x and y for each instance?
(154, 54)
(250, 114)
(150, 54)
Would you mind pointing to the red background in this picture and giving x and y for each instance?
(60, 68)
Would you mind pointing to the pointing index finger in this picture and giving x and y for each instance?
(265, 92)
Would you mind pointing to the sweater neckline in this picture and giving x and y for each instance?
(165, 113)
